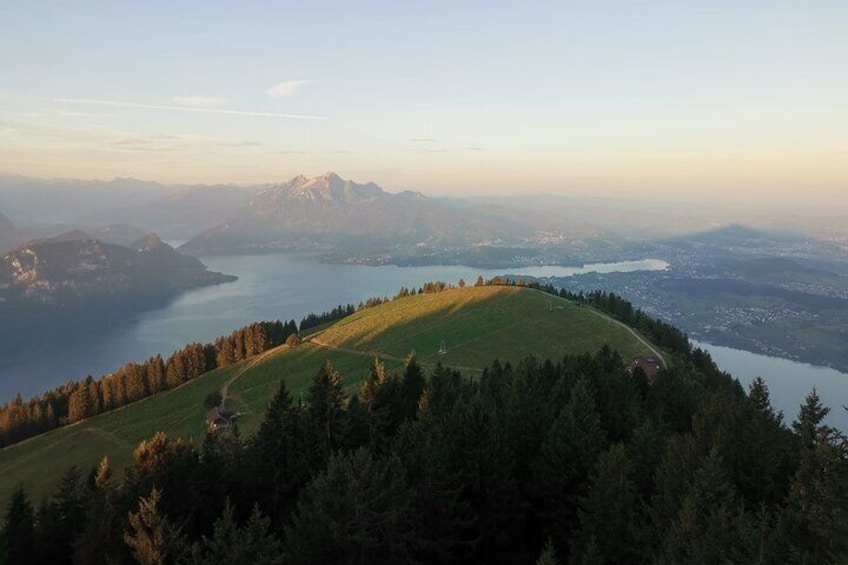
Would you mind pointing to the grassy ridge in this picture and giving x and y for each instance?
(477, 325)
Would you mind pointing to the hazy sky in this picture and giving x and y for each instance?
(729, 99)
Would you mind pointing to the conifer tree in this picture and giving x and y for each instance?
(412, 386)
(253, 544)
(150, 536)
(358, 511)
(809, 427)
(608, 511)
(325, 414)
(19, 529)
(101, 539)
(279, 455)
(549, 555)
(568, 453)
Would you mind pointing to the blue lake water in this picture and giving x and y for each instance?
(291, 286)
(270, 287)
(788, 381)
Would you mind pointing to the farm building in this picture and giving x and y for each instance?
(649, 365)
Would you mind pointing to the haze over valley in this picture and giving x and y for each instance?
(448, 282)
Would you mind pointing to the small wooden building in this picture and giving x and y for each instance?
(651, 366)
(217, 419)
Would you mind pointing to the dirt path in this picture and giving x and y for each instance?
(381, 355)
(635, 334)
(111, 437)
(642, 340)
(225, 389)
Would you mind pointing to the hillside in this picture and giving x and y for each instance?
(477, 324)
(75, 266)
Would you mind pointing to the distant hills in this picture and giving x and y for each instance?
(75, 266)
(180, 214)
(331, 213)
(10, 235)
(173, 210)
(736, 242)
(349, 221)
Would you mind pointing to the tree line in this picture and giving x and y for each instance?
(575, 460)
(313, 320)
(76, 400)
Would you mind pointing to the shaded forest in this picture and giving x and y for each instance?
(575, 460)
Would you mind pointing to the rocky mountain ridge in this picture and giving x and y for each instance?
(335, 214)
(75, 266)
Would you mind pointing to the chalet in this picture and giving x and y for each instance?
(217, 419)
(649, 365)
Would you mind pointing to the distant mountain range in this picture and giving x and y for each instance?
(76, 266)
(344, 220)
(175, 211)
(10, 235)
(331, 213)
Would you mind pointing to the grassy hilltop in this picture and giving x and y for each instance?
(477, 325)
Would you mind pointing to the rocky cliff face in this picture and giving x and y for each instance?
(75, 266)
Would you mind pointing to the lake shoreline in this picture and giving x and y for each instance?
(789, 381)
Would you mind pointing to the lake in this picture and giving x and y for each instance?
(270, 287)
(291, 286)
(788, 381)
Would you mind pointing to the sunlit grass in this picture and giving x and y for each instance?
(477, 325)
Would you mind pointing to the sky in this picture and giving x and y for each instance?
(725, 100)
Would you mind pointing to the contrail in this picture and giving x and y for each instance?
(92, 102)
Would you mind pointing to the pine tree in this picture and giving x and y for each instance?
(101, 539)
(61, 518)
(760, 399)
(549, 555)
(377, 396)
(608, 511)
(279, 455)
(568, 454)
(709, 527)
(412, 386)
(809, 427)
(230, 544)
(19, 529)
(325, 414)
(357, 511)
(79, 405)
(150, 536)
(814, 523)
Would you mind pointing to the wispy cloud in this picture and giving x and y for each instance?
(171, 142)
(474, 148)
(423, 140)
(136, 106)
(199, 101)
(243, 144)
(287, 88)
